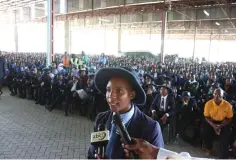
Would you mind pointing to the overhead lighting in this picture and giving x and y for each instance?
(217, 23)
(206, 13)
(226, 30)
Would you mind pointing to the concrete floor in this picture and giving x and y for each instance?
(30, 131)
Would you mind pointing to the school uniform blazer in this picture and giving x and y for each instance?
(169, 106)
(140, 126)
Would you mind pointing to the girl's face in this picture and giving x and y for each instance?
(119, 95)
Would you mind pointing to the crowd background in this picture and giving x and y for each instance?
(68, 84)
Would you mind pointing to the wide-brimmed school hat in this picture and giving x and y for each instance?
(165, 86)
(187, 94)
(103, 76)
(149, 76)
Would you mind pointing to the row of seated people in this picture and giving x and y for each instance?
(79, 91)
(179, 112)
(51, 91)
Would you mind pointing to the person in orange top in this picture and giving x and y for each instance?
(218, 116)
(66, 60)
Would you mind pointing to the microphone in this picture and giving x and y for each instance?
(123, 132)
(100, 140)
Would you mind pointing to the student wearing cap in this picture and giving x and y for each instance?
(229, 89)
(83, 78)
(57, 96)
(191, 85)
(218, 116)
(149, 88)
(163, 106)
(187, 114)
(44, 87)
(123, 91)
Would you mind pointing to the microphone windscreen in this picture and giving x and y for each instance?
(100, 137)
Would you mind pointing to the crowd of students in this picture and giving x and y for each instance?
(179, 92)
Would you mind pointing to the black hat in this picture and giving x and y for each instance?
(215, 85)
(103, 76)
(167, 78)
(186, 94)
(46, 69)
(149, 76)
(166, 86)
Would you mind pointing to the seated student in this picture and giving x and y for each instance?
(191, 85)
(123, 90)
(163, 106)
(57, 92)
(229, 89)
(149, 90)
(187, 114)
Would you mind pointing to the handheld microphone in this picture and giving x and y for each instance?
(123, 132)
(100, 140)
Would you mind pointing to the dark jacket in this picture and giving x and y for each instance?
(47, 81)
(189, 111)
(3, 67)
(141, 126)
(170, 104)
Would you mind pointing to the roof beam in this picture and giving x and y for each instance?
(184, 15)
(228, 17)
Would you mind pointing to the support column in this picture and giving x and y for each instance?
(209, 51)
(67, 37)
(45, 8)
(119, 35)
(150, 22)
(194, 43)
(105, 40)
(63, 10)
(32, 11)
(50, 32)
(21, 14)
(15, 31)
(163, 33)
(119, 40)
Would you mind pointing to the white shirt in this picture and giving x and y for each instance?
(165, 98)
(125, 117)
(164, 153)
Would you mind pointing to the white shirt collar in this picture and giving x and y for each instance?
(128, 115)
(164, 96)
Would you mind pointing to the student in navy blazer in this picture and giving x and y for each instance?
(123, 90)
(163, 107)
